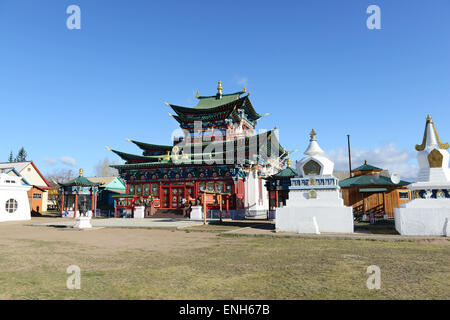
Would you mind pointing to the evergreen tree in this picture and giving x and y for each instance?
(21, 155)
(11, 157)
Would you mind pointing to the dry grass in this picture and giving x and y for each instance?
(223, 268)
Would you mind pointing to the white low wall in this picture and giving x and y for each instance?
(23, 205)
(422, 221)
(300, 220)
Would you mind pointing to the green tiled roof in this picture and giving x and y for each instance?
(367, 167)
(215, 101)
(369, 180)
(286, 173)
(148, 146)
(221, 109)
(80, 181)
(155, 161)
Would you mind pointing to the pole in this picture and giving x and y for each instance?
(349, 156)
(204, 208)
(62, 204)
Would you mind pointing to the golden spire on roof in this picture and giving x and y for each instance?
(244, 90)
(108, 148)
(166, 103)
(219, 87)
(288, 161)
(197, 95)
(313, 133)
(81, 172)
(431, 137)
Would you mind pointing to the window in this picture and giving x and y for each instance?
(147, 189)
(11, 206)
(37, 196)
(403, 194)
(139, 189)
(131, 189)
(155, 189)
(201, 186)
(210, 186)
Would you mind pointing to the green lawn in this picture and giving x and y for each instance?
(228, 268)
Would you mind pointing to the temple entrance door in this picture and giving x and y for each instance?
(177, 194)
(165, 201)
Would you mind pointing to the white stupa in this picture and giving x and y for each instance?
(314, 203)
(14, 204)
(429, 211)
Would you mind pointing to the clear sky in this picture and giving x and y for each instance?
(65, 94)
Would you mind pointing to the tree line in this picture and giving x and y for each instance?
(20, 157)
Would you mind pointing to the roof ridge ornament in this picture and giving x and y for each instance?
(433, 139)
(197, 95)
(219, 88)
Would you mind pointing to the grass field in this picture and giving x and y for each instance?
(164, 264)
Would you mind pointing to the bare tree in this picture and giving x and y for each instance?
(53, 178)
(103, 169)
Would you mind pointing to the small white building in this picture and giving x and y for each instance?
(14, 204)
(429, 211)
(314, 203)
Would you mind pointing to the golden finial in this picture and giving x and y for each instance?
(313, 133)
(170, 114)
(167, 156)
(245, 90)
(275, 128)
(166, 103)
(197, 95)
(128, 139)
(108, 148)
(219, 87)
(288, 161)
(365, 162)
(421, 147)
(81, 172)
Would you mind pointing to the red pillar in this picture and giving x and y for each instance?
(228, 206)
(276, 198)
(62, 204)
(93, 203)
(76, 206)
(115, 208)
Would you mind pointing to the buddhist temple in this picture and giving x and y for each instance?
(219, 152)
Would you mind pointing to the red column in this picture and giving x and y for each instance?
(228, 206)
(76, 206)
(62, 204)
(115, 208)
(93, 203)
(276, 198)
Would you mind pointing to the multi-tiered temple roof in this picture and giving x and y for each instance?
(230, 118)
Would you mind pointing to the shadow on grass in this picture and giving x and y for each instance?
(264, 225)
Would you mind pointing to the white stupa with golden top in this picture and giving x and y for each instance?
(429, 211)
(315, 204)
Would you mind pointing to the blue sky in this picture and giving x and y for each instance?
(65, 94)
